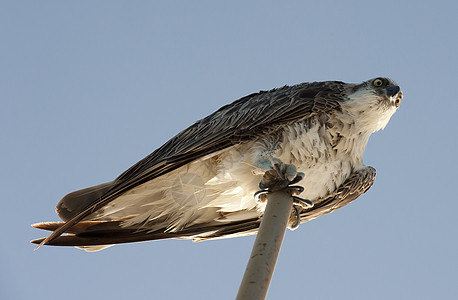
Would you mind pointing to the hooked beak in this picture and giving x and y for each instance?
(392, 90)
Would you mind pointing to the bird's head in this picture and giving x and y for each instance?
(374, 101)
(386, 91)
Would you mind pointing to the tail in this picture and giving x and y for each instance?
(97, 235)
(75, 206)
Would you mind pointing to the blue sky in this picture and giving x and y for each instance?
(89, 88)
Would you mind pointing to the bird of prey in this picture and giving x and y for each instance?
(201, 184)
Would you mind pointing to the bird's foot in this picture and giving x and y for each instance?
(299, 205)
(282, 177)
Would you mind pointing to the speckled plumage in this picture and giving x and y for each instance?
(200, 184)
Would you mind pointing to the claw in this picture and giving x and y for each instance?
(304, 203)
(298, 205)
(297, 218)
(299, 177)
(295, 189)
(261, 196)
(263, 186)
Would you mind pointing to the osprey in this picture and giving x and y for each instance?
(201, 184)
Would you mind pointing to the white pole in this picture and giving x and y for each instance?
(261, 265)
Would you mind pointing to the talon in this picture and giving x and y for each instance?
(263, 186)
(304, 203)
(299, 177)
(282, 177)
(295, 218)
(261, 196)
(295, 189)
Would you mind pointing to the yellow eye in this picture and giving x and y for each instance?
(377, 82)
(397, 102)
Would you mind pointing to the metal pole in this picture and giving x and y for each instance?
(261, 265)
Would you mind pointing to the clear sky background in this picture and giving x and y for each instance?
(88, 88)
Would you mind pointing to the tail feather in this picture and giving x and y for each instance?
(105, 239)
(92, 233)
(83, 226)
(76, 202)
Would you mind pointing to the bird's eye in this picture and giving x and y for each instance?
(397, 102)
(377, 82)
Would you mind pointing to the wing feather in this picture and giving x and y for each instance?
(89, 233)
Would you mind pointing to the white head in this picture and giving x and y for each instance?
(373, 102)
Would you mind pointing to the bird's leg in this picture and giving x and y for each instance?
(282, 177)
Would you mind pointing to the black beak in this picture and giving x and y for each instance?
(392, 90)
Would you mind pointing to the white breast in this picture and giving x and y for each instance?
(325, 158)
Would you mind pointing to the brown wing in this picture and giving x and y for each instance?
(240, 121)
(237, 122)
(90, 233)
